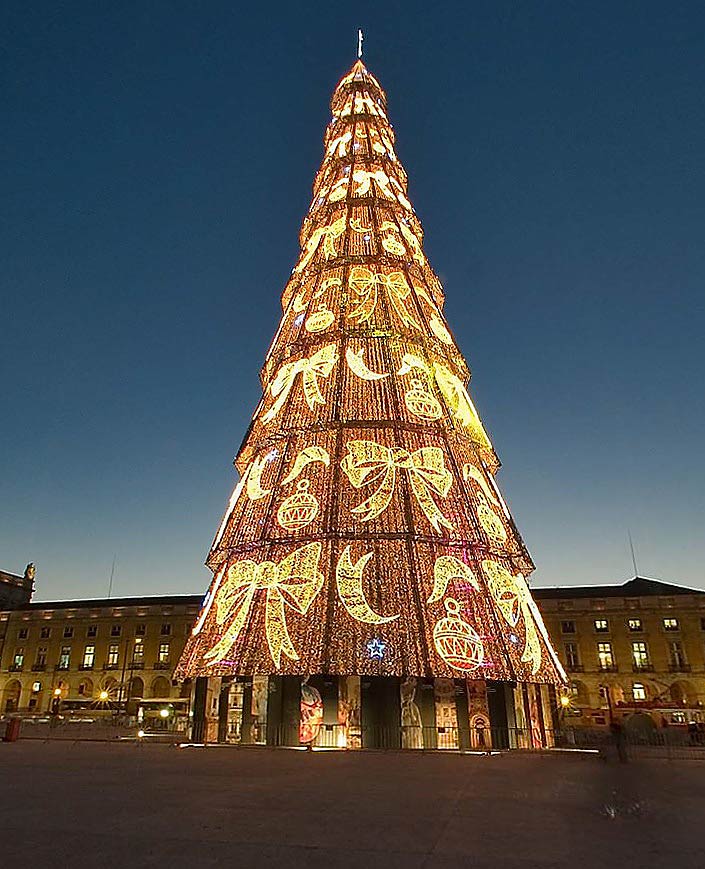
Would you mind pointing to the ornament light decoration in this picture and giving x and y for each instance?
(367, 534)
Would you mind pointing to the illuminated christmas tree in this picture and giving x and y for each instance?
(367, 536)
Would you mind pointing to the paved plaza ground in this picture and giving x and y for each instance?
(107, 805)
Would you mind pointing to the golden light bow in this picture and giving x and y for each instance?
(328, 234)
(311, 368)
(366, 285)
(513, 598)
(294, 582)
(369, 462)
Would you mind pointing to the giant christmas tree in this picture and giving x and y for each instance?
(367, 535)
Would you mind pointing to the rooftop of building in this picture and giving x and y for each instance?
(116, 602)
(14, 578)
(638, 586)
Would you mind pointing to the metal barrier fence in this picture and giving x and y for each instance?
(420, 738)
(666, 743)
(96, 729)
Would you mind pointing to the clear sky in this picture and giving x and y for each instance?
(157, 160)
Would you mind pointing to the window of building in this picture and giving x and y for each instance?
(89, 657)
(138, 651)
(568, 627)
(115, 630)
(670, 624)
(18, 659)
(676, 654)
(113, 655)
(640, 655)
(571, 655)
(45, 633)
(604, 656)
(41, 657)
(638, 691)
(602, 626)
(92, 631)
(36, 687)
(702, 623)
(678, 717)
(23, 633)
(68, 632)
(140, 630)
(164, 653)
(65, 658)
(166, 629)
(634, 625)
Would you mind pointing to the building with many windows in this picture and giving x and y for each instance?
(631, 649)
(94, 654)
(635, 648)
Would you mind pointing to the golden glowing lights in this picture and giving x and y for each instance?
(311, 369)
(439, 330)
(299, 509)
(294, 582)
(320, 320)
(490, 521)
(254, 480)
(348, 577)
(352, 473)
(421, 402)
(368, 462)
(304, 458)
(358, 367)
(329, 234)
(512, 597)
(447, 568)
(366, 284)
(457, 642)
(457, 398)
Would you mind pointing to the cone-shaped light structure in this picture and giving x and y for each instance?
(367, 534)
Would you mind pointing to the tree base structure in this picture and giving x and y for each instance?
(373, 712)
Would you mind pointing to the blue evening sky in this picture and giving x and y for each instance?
(157, 159)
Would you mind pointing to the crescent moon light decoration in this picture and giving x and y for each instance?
(348, 578)
(254, 480)
(358, 367)
(305, 457)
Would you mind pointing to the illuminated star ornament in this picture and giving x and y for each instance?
(367, 501)
(376, 648)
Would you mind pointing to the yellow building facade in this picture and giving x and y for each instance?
(631, 649)
(93, 654)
